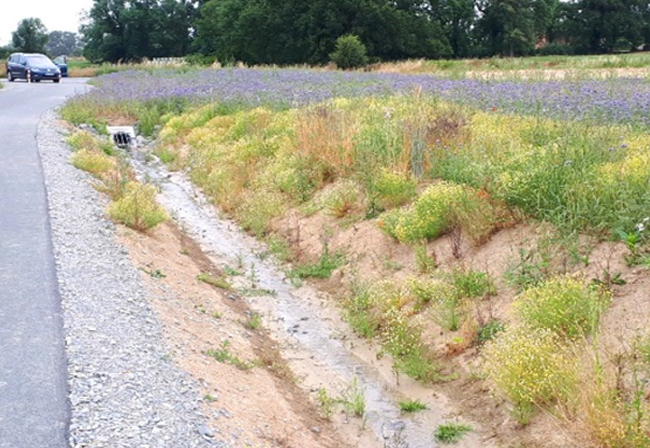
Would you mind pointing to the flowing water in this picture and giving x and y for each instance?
(309, 329)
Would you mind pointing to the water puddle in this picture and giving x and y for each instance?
(309, 329)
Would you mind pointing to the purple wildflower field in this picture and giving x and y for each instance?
(623, 100)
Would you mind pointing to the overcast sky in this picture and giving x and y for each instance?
(61, 15)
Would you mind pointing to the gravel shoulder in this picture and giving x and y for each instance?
(124, 389)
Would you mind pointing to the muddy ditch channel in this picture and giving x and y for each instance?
(317, 345)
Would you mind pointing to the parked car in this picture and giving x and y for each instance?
(62, 63)
(33, 66)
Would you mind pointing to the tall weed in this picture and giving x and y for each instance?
(92, 161)
(563, 305)
(138, 208)
(532, 368)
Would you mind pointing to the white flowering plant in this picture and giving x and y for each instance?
(637, 243)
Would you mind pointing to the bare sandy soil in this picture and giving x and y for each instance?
(268, 405)
(257, 407)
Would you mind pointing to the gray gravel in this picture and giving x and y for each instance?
(124, 389)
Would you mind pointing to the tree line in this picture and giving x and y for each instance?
(31, 36)
(299, 31)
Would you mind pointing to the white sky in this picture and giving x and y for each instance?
(56, 15)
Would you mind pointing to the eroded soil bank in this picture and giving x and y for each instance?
(263, 388)
(301, 349)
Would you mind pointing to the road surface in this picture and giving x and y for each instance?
(33, 383)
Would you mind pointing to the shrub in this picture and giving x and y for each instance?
(444, 298)
(94, 162)
(293, 175)
(563, 305)
(200, 59)
(138, 208)
(349, 52)
(389, 220)
(489, 331)
(85, 140)
(340, 199)
(378, 311)
(531, 367)
(428, 290)
(392, 189)
(431, 215)
(258, 208)
(114, 181)
(440, 208)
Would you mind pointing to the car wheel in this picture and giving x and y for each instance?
(9, 77)
(37, 80)
(56, 80)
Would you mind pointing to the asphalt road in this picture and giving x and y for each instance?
(34, 406)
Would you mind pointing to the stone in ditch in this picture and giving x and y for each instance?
(206, 432)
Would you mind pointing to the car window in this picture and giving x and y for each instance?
(38, 59)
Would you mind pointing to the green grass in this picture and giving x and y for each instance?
(412, 406)
(253, 322)
(374, 312)
(345, 156)
(323, 268)
(326, 403)
(224, 355)
(353, 399)
(449, 433)
(472, 284)
(358, 314)
(218, 282)
(505, 64)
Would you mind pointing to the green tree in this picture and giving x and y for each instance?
(349, 53)
(295, 31)
(103, 32)
(30, 36)
(513, 27)
(62, 43)
(132, 30)
(6, 51)
(457, 18)
(608, 25)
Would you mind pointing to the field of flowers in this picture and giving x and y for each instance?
(421, 157)
(625, 100)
